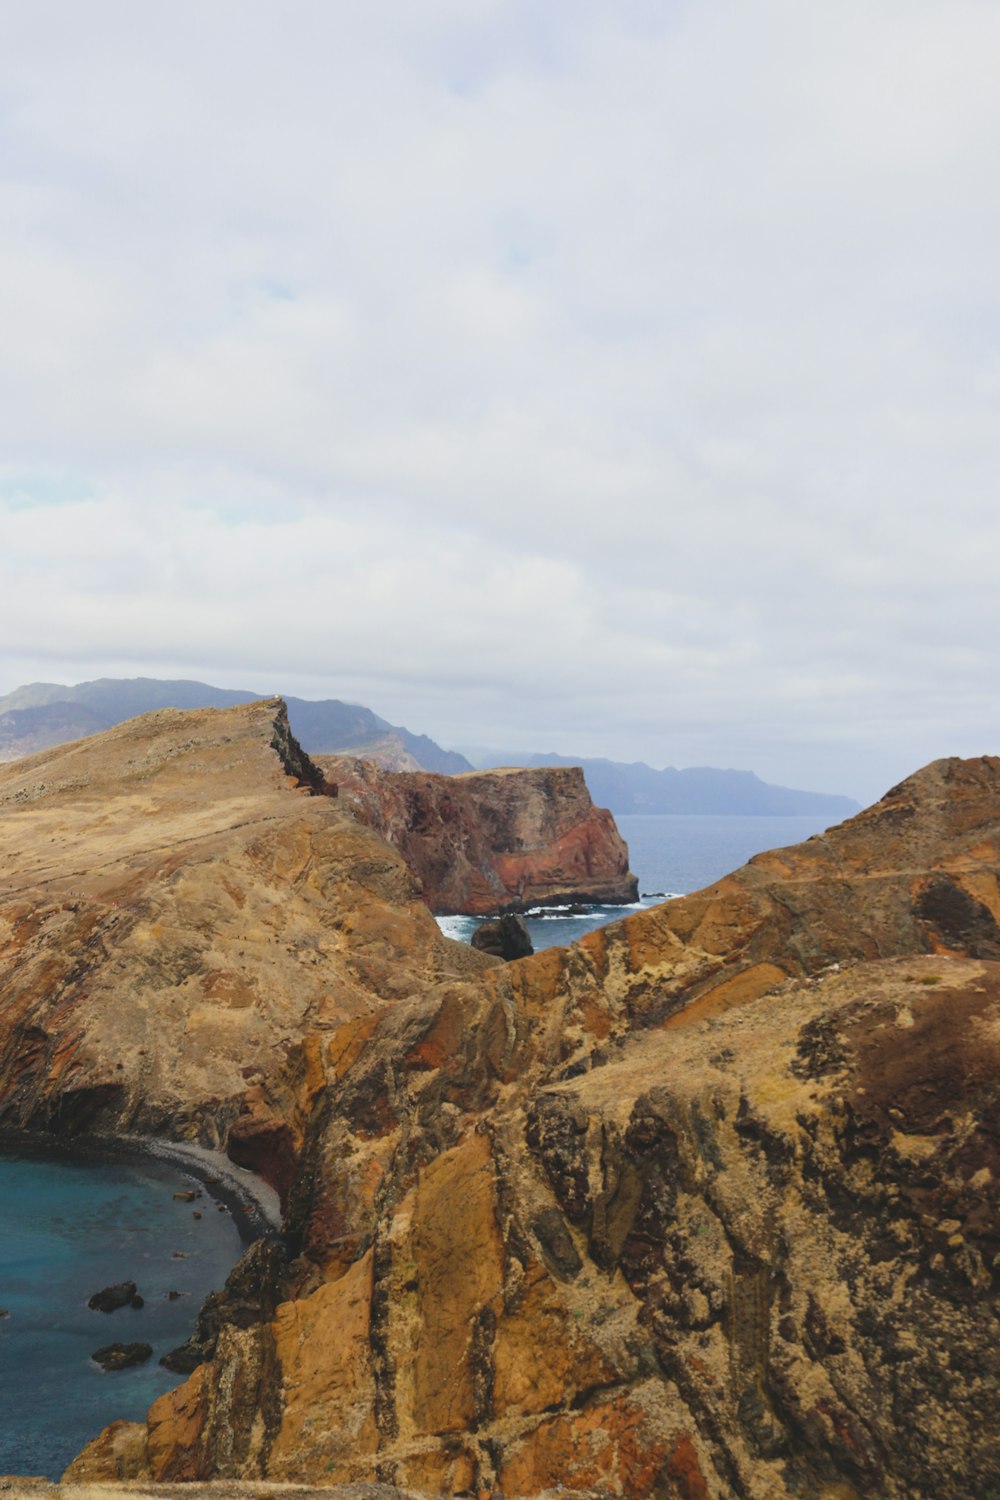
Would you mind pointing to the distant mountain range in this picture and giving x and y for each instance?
(638, 788)
(44, 714)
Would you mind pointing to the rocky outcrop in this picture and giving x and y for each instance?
(506, 937)
(183, 921)
(492, 841)
(705, 1206)
(121, 1356)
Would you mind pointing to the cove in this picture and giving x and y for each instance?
(72, 1223)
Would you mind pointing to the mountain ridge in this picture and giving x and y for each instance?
(635, 787)
(40, 715)
(324, 725)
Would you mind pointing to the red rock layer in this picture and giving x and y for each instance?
(490, 841)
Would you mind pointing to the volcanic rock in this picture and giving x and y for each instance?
(111, 1298)
(507, 937)
(703, 1206)
(121, 1356)
(489, 841)
(184, 922)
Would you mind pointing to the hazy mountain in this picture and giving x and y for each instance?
(638, 788)
(25, 730)
(42, 714)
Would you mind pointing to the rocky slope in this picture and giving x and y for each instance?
(705, 1206)
(488, 841)
(182, 922)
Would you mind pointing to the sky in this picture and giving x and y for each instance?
(608, 378)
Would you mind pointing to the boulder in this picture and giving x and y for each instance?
(111, 1298)
(506, 937)
(121, 1356)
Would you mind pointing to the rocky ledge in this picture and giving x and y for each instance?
(492, 841)
(705, 1206)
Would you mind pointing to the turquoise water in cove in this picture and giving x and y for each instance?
(68, 1228)
(672, 854)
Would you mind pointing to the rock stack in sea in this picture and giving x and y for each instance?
(492, 841)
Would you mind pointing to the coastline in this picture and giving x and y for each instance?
(252, 1203)
(247, 1196)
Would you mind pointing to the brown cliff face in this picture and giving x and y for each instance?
(181, 923)
(492, 841)
(705, 1206)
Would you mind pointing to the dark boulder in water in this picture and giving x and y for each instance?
(121, 1356)
(122, 1294)
(507, 937)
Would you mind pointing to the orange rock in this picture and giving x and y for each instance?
(540, 1359)
(459, 1276)
(608, 1446)
(327, 1429)
(175, 1425)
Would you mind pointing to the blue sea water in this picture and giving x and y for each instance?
(671, 854)
(683, 852)
(68, 1228)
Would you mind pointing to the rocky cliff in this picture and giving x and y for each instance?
(704, 1206)
(489, 841)
(182, 920)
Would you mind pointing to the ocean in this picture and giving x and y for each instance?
(69, 1228)
(672, 854)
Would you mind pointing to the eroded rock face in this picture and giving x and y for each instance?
(705, 1206)
(491, 841)
(183, 918)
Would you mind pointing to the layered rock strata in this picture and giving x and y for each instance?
(704, 1206)
(492, 841)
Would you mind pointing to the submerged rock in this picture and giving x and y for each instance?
(121, 1356)
(506, 937)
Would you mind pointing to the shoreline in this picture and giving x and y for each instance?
(245, 1194)
(252, 1203)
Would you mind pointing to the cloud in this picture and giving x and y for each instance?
(611, 380)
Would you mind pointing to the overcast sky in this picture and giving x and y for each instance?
(611, 378)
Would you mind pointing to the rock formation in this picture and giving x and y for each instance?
(489, 841)
(182, 921)
(506, 937)
(703, 1206)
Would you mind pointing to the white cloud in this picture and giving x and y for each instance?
(617, 380)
